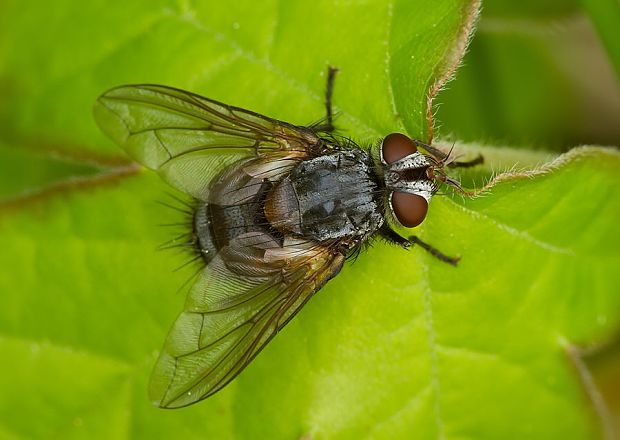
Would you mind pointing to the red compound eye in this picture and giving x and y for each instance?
(396, 146)
(409, 209)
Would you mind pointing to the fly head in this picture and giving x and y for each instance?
(411, 177)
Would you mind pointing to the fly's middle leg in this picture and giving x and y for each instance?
(326, 124)
(329, 90)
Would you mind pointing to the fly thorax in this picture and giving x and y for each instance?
(329, 197)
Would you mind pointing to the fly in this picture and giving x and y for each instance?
(278, 209)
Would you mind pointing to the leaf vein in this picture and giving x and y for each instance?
(434, 370)
(516, 232)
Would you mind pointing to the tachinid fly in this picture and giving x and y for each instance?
(278, 209)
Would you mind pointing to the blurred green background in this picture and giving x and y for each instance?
(539, 75)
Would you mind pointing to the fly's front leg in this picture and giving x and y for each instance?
(391, 236)
(478, 160)
(434, 251)
(388, 234)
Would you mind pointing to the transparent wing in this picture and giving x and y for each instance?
(189, 139)
(243, 297)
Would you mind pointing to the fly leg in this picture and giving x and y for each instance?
(434, 251)
(444, 156)
(479, 160)
(326, 124)
(390, 235)
(329, 90)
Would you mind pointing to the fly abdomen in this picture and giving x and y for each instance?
(235, 210)
(203, 233)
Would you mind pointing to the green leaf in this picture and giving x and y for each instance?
(398, 345)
